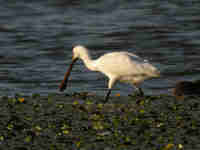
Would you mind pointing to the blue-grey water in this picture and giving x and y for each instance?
(36, 40)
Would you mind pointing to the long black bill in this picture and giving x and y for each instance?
(107, 96)
(63, 84)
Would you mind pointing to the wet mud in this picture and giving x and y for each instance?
(82, 121)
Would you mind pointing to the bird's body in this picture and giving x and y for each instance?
(125, 67)
(118, 66)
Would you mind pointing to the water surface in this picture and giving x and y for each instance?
(36, 40)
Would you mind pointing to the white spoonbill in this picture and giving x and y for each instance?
(117, 66)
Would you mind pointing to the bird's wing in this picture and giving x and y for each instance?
(120, 63)
(136, 58)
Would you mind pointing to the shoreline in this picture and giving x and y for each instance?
(82, 121)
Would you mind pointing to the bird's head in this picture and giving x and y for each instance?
(79, 51)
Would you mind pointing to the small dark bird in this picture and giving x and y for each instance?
(183, 88)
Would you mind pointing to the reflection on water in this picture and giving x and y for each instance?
(37, 38)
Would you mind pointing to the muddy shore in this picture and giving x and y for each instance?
(83, 122)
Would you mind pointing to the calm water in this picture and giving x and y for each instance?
(36, 39)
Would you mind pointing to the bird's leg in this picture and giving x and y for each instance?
(139, 90)
(141, 93)
(107, 95)
(110, 84)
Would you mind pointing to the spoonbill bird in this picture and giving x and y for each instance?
(117, 66)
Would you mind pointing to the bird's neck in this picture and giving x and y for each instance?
(89, 63)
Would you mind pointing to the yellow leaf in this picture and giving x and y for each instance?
(100, 106)
(28, 139)
(118, 94)
(95, 117)
(159, 125)
(75, 103)
(78, 143)
(98, 126)
(169, 146)
(88, 102)
(1, 138)
(142, 111)
(141, 102)
(65, 126)
(10, 126)
(21, 100)
(65, 132)
(38, 128)
(180, 146)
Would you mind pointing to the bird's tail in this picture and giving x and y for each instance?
(152, 71)
(156, 73)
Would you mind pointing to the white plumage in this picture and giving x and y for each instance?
(117, 66)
